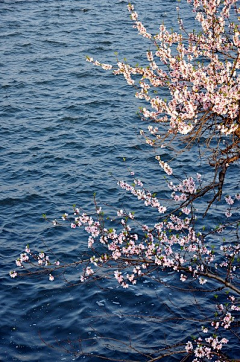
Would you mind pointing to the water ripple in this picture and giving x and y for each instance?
(65, 126)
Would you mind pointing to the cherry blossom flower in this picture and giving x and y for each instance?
(65, 216)
(13, 274)
(183, 278)
(51, 278)
(18, 262)
(229, 200)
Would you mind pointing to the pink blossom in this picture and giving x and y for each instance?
(186, 210)
(189, 346)
(130, 7)
(134, 16)
(202, 280)
(183, 278)
(237, 197)
(76, 211)
(120, 213)
(18, 262)
(89, 271)
(224, 340)
(65, 216)
(228, 213)
(89, 59)
(118, 276)
(106, 66)
(229, 200)
(24, 257)
(13, 274)
(162, 209)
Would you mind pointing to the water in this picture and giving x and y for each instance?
(65, 126)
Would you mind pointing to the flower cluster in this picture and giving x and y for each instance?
(230, 201)
(35, 260)
(142, 194)
(200, 71)
(205, 349)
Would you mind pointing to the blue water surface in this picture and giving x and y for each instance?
(65, 128)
